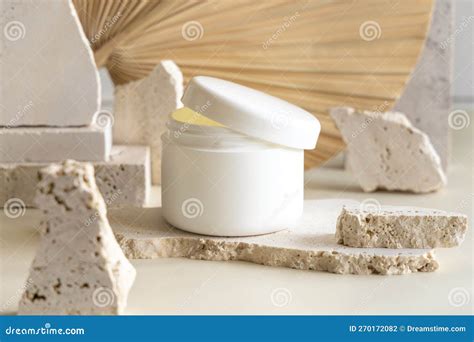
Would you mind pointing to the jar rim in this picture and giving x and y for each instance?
(211, 137)
(175, 125)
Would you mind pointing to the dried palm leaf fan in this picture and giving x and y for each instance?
(316, 54)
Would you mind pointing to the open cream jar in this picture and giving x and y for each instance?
(233, 160)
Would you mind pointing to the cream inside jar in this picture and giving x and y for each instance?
(189, 128)
(222, 182)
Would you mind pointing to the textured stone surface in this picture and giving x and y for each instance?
(79, 269)
(142, 108)
(384, 151)
(124, 180)
(310, 246)
(400, 227)
(427, 97)
(49, 144)
(49, 76)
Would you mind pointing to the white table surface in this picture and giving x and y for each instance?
(181, 286)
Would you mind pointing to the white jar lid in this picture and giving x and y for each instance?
(252, 112)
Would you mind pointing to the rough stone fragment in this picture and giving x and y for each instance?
(49, 144)
(124, 180)
(384, 151)
(399, 227)
(310, 246)
(427, 97)
(79, 269)
(49, 76)
(142, 108)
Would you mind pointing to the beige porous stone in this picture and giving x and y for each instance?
(143, 234)
(384, 151)
(79, 269)
(399, 227)
(142, 108)
(123, 180)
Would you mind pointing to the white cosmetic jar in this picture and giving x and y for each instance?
(220, 181)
